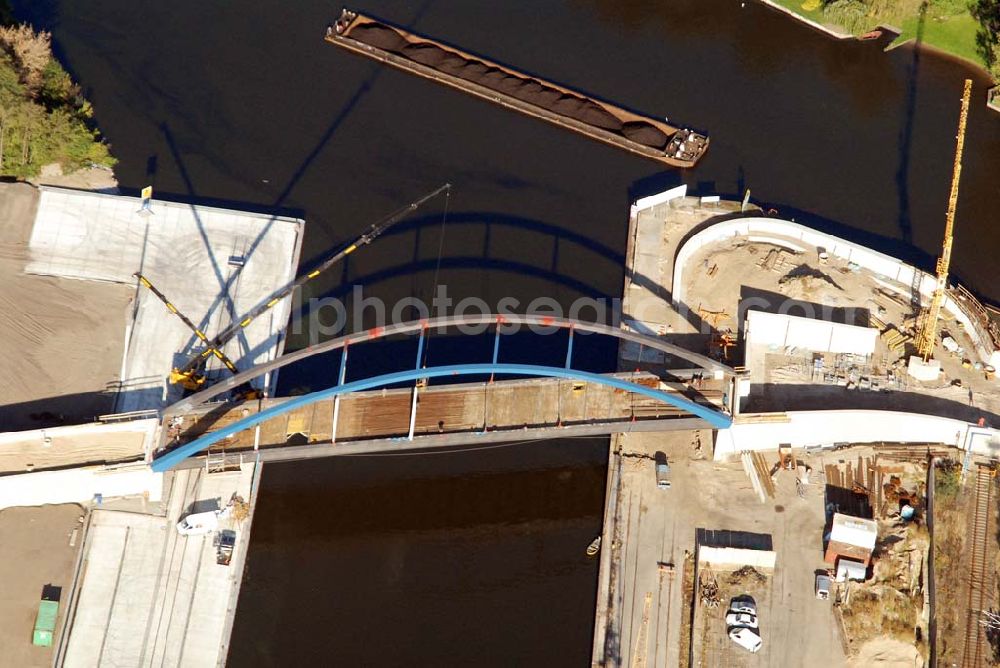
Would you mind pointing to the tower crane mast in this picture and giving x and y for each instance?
(928, 330)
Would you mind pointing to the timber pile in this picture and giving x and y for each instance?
(709, 589)
(759, 474)
(895, 340)
(862, 476)
(914, 452)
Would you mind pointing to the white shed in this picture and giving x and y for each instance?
(792, 331)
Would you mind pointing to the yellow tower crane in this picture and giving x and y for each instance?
(928, 329)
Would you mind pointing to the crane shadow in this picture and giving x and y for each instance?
(906, 133)
(225, 284)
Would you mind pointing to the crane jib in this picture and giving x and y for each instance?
(369, 235)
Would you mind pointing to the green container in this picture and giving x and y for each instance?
(45, 623)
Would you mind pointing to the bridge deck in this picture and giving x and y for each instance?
(504, 407)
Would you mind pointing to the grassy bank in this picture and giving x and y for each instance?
(949, 25)
(44, 118)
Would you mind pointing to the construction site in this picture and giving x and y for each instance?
(129, 270)
(860, 352)
(808, 532)
(788, 411)
(771, 527)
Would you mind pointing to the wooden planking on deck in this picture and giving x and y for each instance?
(465, 408)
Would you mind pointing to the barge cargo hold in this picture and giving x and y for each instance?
(642, 135)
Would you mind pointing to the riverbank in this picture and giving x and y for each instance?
(946, 25)
(47, 124)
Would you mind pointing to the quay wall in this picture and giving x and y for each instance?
(653, 200)
(815, 25)
(817, 429)
(780, 232)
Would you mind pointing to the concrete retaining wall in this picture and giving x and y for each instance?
(734, 558)
(92, 430)
(780, 232)
(825, 428)
(777, 329)
(659, 198)
(79, 485)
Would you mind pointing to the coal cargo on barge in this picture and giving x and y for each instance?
(645, 136)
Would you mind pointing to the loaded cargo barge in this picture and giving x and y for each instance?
(642, 135)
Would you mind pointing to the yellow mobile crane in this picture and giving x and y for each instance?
(928, 330)
(188, 382)
(191, 374)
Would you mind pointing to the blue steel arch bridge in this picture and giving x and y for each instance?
(402, 410)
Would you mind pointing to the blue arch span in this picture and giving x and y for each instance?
(717, 419)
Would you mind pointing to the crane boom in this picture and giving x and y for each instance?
(187, 321)
(928, 330)
(214, 345)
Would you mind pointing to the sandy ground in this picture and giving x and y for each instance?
(62, 339)
(886, 653)
(96, 178)
(34, 552)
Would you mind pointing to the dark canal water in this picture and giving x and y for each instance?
(475, 558)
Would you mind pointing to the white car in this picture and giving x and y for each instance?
(743, 604)
(198, 524)
(746, 638)
(741, 619)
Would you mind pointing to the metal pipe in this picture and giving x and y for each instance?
(336, 401)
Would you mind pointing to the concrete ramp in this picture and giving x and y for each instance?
(124, 554)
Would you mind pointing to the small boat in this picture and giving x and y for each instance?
(594, 547)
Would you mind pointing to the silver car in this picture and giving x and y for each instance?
(741, 619)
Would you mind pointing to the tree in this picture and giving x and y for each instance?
(987, 13)
(31, 52)
(43, 116)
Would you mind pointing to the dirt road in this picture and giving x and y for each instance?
(35, 552)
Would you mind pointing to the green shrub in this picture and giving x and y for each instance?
(946, 479)
(43, 117)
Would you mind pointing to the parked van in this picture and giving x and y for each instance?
(198, 524)
(746, 638)
(822, 586)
